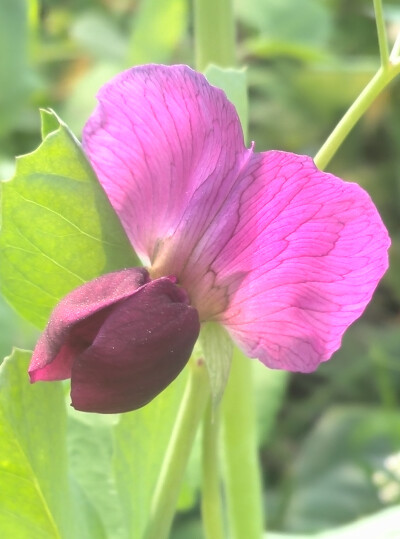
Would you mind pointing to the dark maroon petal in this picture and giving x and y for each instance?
(139, 350)
(76, 320)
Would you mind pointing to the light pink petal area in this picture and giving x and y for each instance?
(160, 140)
(308, 251)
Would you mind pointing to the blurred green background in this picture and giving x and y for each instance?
(325, 455)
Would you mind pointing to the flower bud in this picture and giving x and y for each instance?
(121, 338)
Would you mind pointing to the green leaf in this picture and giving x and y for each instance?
(159, 25)
(87, 520)
(332, 480)
(50, 122)
(141, 439)
(234, 84)
(58, 227)
(217, 348)
(90, 451)
(34, 496)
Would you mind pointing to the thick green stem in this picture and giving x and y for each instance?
(242, 469)
(214, 33)
(172, 472)
(382, 37)
(381, 79)
(211, 508)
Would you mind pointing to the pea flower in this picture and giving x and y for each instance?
(285, 257)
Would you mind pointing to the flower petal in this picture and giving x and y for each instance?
(308, 251)
(285, 256)
(76, 319)
(166, 147)
(140, 349)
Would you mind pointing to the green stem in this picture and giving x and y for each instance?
(211, 509)
(214, 33)
(382, 37)
(215, 43)
(389, 69)
(381, 79)
(172, 472)
(242, 470)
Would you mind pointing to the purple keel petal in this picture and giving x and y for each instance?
(308, 251)
(142, 346)
(167, 148)
(75, 320)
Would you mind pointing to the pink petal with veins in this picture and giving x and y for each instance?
(160, 139)
(308, 251)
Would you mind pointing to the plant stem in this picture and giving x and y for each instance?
(175, 461)
(215, 43)
(214, 33)
(380, 80)
(211, 509)
(243, 483)
(382, 37)
(389, 69)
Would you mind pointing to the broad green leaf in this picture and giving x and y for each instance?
(141, 439)
(159, 25)
(217, 348)
(332, 480)
(234, 84)
(86, 519)
(90, 451)
(34, 493)
(58, 227)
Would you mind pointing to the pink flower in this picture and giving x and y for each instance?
(284, 256)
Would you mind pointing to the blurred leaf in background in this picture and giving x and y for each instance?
(332, 483)
(15, 74)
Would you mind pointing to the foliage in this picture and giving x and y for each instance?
(322, 437)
